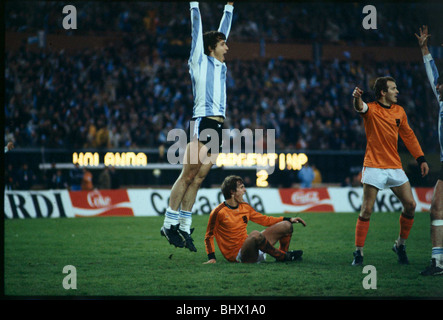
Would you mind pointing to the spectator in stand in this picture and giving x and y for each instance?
(10, 179)
(317, 175)
(115, 178)
(76, 177)
(104, 179)
(306, 176)
(87, 183)
(59, 181)
(26, 178)
(9, 146)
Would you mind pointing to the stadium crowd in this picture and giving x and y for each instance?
(279, 22)
(131, 96)
(118, 98)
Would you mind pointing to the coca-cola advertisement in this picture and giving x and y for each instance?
(101, 203)
(317, 199)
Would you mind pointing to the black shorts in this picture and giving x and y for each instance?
(213, 132)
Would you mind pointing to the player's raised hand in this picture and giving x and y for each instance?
(423, 37)
(358, 102)
(357, 93)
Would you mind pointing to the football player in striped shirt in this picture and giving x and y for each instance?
(436, 81)
(208, 76)
(384, 121)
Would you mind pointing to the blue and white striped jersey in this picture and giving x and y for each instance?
(432, 72)
(208, 74)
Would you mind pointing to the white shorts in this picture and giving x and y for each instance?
(383, 178)
(261, 256)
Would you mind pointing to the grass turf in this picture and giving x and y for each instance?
(122, 256)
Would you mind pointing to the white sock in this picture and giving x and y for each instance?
(185, 221)
(171, 218)
(437, 254)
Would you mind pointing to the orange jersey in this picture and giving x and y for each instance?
(383, 126)
(228, 225)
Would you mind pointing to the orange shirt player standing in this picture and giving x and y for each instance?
(228, 222)
(384, 121)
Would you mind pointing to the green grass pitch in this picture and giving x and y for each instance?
(121, 256)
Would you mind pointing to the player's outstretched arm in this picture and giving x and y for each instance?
(423, 40)
(357, 101)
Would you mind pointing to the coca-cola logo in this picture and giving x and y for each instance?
(97, 200)
(300, 197)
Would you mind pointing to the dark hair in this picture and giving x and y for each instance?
(210, 39)
(381, 84)
(230, 184)
(440, 79)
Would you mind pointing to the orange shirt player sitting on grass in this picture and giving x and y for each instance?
(228, 222)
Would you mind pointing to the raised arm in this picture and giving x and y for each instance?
(226, 21)
(197, 49)
(359, 105)
(431, 69)
(423, 40)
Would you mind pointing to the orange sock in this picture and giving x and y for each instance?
(284, 242)
(361, 230)
(405, 226)
(266, 246)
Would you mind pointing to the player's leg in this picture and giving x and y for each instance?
(369, 196)
(203, 170)
(362, 226)
(249, 249)
(404, 194)
(191, 167)
(189, 171)
(185, 214)
(437, 218)
(282, 232)
(257, 241)
(436, 266)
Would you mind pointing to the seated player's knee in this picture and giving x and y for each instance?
(288, 228)
(257, 236)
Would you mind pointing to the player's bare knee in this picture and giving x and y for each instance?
(197, 181)
(287, 226)
(189, 177)
(257, 236)
(366, 211)
(409, 207)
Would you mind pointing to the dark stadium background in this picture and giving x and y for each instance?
(120, 82)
